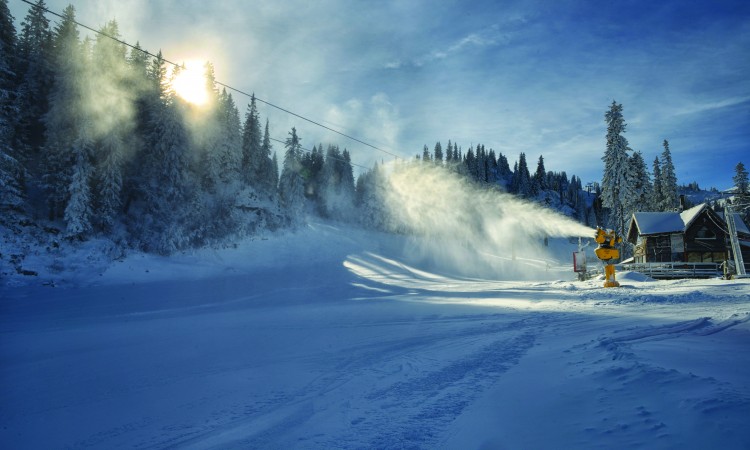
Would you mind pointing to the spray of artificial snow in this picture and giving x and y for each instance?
(470, 230)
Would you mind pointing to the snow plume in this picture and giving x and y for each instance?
(472, 230)
(108, 87)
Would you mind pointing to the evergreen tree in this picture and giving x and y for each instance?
(492, 169)
(470, 164)
(275, 174)
(168, 189)
(313, 164)
(114, 118)
(505, 175)
(656, 195)
(616, 187)
(668, 180)
(337, 184)
(539, 181)
(253, 162)
(291, 184)
(8, 108)
(207, 135)
(740, 180)
(230, 145)
(271, 171)
(426, 154)
(78, 211)
(640, 180)
(523, 177)
(35, 75)
(142, 100)
(371, 193)
(11, 172)
(66, 112)
(515, 178)
(438, 152)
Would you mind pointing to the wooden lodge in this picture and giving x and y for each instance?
(696, 237)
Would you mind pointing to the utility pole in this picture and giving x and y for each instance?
(739, 263)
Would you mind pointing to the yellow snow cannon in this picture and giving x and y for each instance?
(606, 251)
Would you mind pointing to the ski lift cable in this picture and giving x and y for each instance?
(239, 91)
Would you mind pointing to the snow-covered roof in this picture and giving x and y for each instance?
(741, 225)
(672, 222)
(658, 222)
(689, 215)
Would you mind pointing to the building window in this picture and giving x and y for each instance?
(705, 233)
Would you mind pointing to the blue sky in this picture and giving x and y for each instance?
(516, 76)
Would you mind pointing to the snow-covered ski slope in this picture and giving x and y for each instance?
(334, 337)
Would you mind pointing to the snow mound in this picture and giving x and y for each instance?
(636, 277)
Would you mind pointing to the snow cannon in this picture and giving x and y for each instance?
(606, 251)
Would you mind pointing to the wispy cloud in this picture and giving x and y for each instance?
(697, 108)
(491, 36)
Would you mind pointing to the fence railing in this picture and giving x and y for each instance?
(675, 269)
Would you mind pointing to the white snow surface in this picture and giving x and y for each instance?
(333, 337)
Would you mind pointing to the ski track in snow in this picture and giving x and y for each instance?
(365, 349)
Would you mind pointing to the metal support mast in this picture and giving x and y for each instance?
(739, 263)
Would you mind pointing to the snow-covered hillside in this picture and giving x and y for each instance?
(333, 337)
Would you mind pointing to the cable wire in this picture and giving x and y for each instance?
(239, 91)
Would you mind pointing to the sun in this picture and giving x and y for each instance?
(190, 83)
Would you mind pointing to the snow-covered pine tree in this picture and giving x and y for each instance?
(270, 173)
(207, 136)
(11, 170)
(252, 163)
(669, 196)
(740, 179)
(514, 179)
(504, 173)
(616, 187)
(347, 189)
(65, 114)
(78, 210)
(291, 184)
(169, 191)
(8, 108)
(470, 164)
(34, 70)
(138, 86)
(337, 184)
(109, 101)
(656, 193)
(317, 170)
(311, 173)
(539, 180)
(482, 164)
(151, 92)
(492, 169)
(524, 177)
(371, 192)
(639, 181)
(230, 144)
(274, 174)
(742, 185)
(109, 182)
